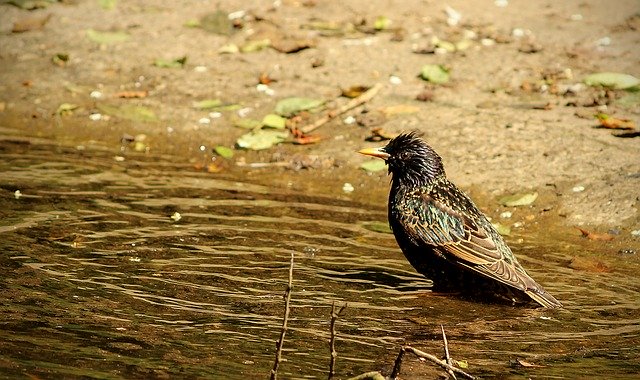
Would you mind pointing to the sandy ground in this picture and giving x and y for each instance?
(504, 123)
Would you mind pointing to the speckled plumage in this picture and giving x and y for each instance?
(444, 235)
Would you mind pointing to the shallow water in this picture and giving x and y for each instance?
(98, 281)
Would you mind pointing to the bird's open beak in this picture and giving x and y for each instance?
(375, 152)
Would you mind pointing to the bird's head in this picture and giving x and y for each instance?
(410, 160)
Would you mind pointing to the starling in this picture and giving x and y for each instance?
(444, 235)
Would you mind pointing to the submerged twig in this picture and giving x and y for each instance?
(332, 341)
(283, 331)
(429, 357)
(447, 358)
(332, 114)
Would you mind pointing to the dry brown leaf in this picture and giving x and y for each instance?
(305, 140)
(595, 236)
(292, 45)
(588, 264)
(30, 23)
(354, 91)
(132, 94)
(264, 78)
(610, 122)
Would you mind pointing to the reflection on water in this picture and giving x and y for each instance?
(99, 281)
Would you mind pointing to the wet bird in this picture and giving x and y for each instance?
(444, 235)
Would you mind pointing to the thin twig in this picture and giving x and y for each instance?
(437, 361)
(332, 114)
(283, 331)
(397, 364)
(332, 341)
(447, 358)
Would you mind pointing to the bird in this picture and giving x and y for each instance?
(444, 235)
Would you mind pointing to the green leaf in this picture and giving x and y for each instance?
(107, 38)
(108, 4)
(170, 63)
(462, 364)
(261, 139)
(502, 229)
(521, 199)
(255, 45)
(274, 121)
(382, 227)
(435, 74)
(290, 106)
(66, 109)
(223, 151)
(612, 80)
(129, 112)
(373, 165)
(247, 123)
(382, 23)
(207, 104)
(217, 22)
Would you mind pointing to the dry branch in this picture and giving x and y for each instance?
(332, 114)
(283, 331)
(332, 341)
(447, 358)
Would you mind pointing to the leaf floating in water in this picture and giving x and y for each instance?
(274, 121)
(107, 38)
(373, 165)
(129, 112)
(382, 227)
(435, 74)
(261, 139)
(616, 81)
(223, 151)
(290, 106)
(595, 236)
(521, 199)
(170, 63)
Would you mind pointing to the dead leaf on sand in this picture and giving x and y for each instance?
(588, 264)
(595, 236)
(611, 122)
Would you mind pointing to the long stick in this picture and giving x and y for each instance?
(437, 361)
(283, 331)
(332, 114)
(332, 341)
(447, 358)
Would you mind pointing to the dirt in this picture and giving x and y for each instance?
(503, 124)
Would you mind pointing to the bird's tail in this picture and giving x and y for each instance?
(543, 298)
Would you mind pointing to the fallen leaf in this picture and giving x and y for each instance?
(60, 59)
(521, 199)
(246, 123)
(131, 94)
(382, 23)
(261, 139)
(264, 78)
(354, 91)
(171, 63)
(617, 81)
(462, 364)
(290, 45)
(610, 122)
(30, 23)
(382, 227)
(108, 4)
(595, 236)
(373, 165)
(290, 106)
(66, 109)
(107, 38)
(129, 112)
(588, 265)
(435, 74)
(400, 109)
(217, 22)
(223, 151)
(255, 45)
(274, 121)
(207, 104)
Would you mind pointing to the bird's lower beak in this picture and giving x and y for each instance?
(375, 152)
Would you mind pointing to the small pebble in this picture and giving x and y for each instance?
(17, 194)
(215, 115)
(506, 215)
(204, 120)
(243, 112)
(635, 233)
(118, 158)
(95, 116)
(604, 41)
(200, 69)
(348, 188)
(576, 17)
(577, 189)
(395, 80)
(487, 42)
(501, 3)
(176, 216)
(266, 89)
(517, 32)
(95, 94)
(349, 120)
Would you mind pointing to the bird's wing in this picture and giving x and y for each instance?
(431, 222)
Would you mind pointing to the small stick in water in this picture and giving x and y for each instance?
(283, 331)
(332, 341)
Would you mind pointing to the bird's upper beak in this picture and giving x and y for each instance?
(375, 152)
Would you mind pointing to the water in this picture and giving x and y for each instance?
(98, 281)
